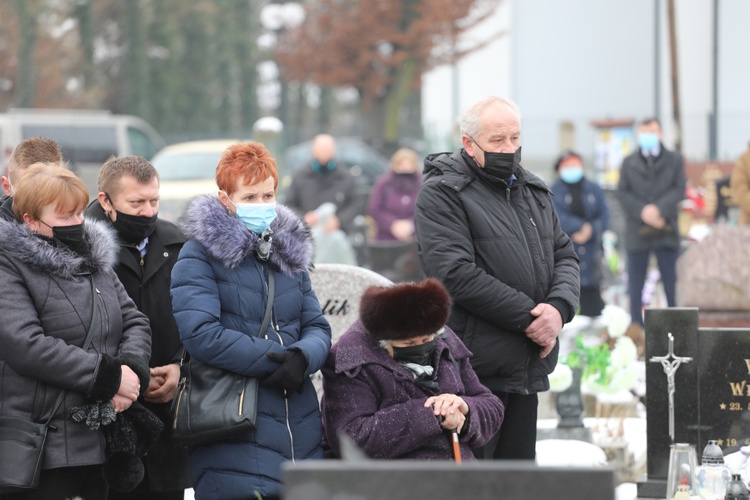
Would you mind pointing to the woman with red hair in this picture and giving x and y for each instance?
(219, 294)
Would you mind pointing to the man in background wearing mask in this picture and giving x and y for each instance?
(651, 187)
(149, 246)
(487, 228)
(26, 153)
(323, 180)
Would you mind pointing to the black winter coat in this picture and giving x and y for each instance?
(500, 252)
(46, 308)
(310, 189)
(148, 284)
(660, 181)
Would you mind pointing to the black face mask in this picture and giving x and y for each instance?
(134, 228)
(501, 165)
(70, 236)
(418, 354)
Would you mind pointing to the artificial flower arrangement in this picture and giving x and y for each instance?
(607, 367)
(609, 374)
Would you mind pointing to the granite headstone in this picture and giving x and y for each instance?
(339, 288)
(712, 392)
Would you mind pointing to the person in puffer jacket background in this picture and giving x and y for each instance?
(219, 294)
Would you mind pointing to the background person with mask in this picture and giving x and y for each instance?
(148, 249)
(391, 203)
(651, 187)
(488, 230)
(323, 180)
(584, 216)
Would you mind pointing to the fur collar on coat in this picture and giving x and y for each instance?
(227, 239)
(17, 241)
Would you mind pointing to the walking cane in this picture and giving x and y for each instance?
(456, 449)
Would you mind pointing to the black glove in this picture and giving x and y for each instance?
(291, 374)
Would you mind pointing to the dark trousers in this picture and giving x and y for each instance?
(516, 439)
(638, 261)
(143, 492)
(67, 482)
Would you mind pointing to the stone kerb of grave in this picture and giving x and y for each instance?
(339, 288)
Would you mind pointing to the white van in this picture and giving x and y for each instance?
(87, 138)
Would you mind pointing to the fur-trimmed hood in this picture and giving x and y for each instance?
(227, 239)
(17, 241)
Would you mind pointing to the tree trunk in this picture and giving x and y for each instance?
(26, 82)
(396, 100)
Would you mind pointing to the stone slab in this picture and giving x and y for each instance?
(407, 480)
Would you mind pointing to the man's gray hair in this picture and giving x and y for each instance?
(470, 121)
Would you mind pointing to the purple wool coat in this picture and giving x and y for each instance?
(393, 198)
(374, 400)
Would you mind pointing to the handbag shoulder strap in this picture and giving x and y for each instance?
(86, 343)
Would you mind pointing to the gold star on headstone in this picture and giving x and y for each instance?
(723, 406)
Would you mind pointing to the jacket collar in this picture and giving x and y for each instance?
(227, 239)
(457, 173)
(18, 242)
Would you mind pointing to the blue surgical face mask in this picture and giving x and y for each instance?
(257, 217)
(571, 175)
(648, 141)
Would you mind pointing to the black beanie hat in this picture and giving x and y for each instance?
(564, 155)
(405, 310)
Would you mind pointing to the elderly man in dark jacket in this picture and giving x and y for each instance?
(488, 230)
(652, 184)
(148, 249)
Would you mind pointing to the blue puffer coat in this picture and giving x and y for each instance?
(597, 214)
(219, 296)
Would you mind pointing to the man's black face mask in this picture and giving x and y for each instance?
(501, 165)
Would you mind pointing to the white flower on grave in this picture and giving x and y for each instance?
(616, 319)
(623, 353)
(561, 378)
(617, 378)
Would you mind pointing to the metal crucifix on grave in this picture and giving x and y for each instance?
(670, 363)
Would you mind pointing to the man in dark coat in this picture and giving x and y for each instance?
(149, 246)
(651, 187)
(26, 153)
(487, 228)
(324, 181)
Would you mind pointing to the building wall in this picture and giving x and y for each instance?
(580, 61)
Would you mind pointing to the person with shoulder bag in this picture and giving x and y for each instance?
(74, 344)
(236, 242)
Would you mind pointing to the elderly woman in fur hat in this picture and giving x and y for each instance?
(399, 380)
(236, 240)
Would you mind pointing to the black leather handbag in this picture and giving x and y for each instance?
(213, 404)
(22, 441)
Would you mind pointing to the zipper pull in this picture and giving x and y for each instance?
(532, 221)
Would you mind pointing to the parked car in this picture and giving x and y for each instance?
(87, 138)
(186, 170)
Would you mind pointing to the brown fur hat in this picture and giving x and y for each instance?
(405, 310)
